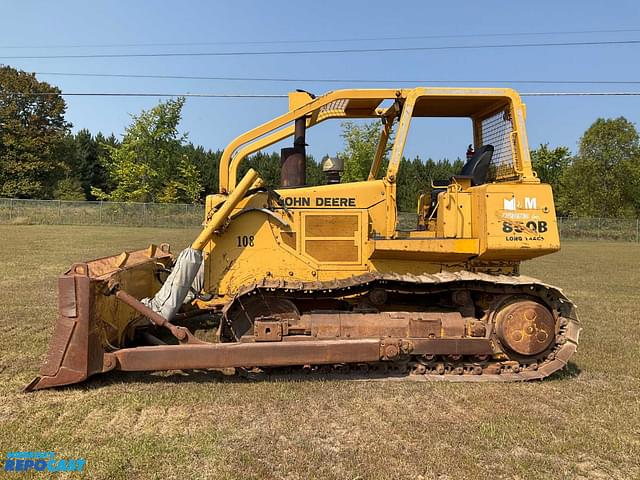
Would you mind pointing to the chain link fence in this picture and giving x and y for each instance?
(619, 229)
(62, 212)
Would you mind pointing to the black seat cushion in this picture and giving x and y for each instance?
(477, 168)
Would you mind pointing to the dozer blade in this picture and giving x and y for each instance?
(91, 322)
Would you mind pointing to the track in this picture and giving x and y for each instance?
(428, 292)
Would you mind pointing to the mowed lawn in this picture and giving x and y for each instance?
(584, 423)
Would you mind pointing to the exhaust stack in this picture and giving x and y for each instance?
(293, 172)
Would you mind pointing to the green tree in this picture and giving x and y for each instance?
(32, 128)
(409, 184)
(550, 164)
(81, 157)
(315, 175)
(69, 188)
(105, 144)
(361, 142)
(416, 176)
(208, 164)
(88, 167)
(266, 164)
(149, 165)
(604, 178)
(185, 186)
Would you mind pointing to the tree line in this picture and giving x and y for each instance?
(153, 162)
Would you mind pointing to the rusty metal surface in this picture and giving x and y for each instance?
(255, 307)
(452, 346)
(526, 327)
(397, 343)
(106, 266)
(456, 364)
(266, 354)
(58, 345)
(67, 297)
(268, 331)
(292, 167)
(382, 324)
(76, 349)
(178, 332)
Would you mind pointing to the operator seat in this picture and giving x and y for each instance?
(476, 168)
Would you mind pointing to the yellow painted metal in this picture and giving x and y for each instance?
(380, 149)
(325, 232)
(454, 214)
(401, 136)
(299, 99)
(521, 150)
(514, 220)
(427, 249)
(220, 216)
(247, 150)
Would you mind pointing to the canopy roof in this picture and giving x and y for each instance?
(430, 102)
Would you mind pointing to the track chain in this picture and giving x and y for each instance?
(441, 368)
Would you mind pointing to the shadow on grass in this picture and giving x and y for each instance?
(570, 371)
(246, 377)
(215, 376)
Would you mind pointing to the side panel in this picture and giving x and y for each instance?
(333, 237)
(454, 215)
(515, 221)
(316, 233)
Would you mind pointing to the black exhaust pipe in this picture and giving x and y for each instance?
(293, 160)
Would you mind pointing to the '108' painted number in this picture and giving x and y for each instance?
(245, 240)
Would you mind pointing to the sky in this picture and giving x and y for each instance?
(32, 28)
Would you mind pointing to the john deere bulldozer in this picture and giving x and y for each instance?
(319, 278)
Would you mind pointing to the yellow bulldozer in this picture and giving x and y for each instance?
(320, 279)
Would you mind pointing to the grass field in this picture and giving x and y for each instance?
(584, 423)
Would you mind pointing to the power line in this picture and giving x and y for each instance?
(253, 95)
(339, 80)
(327, 51)
(143, 94)
(325, 40)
